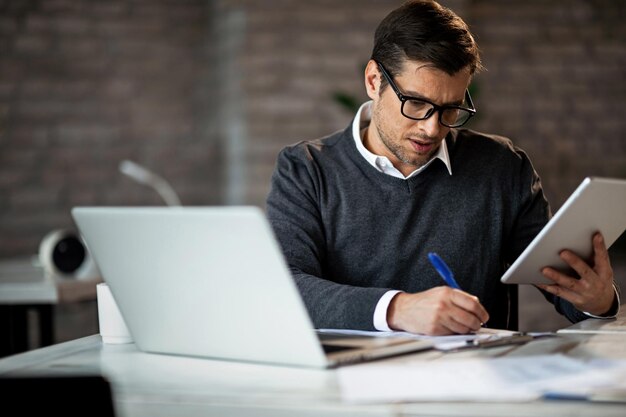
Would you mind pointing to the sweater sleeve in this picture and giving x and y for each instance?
(293, 209)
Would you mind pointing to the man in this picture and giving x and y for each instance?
(357, 212)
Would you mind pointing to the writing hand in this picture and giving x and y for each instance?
(593, 292)
(438, 311)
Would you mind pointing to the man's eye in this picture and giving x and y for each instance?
(416, 106)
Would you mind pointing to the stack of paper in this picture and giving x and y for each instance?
(493, 379)
(598, 326)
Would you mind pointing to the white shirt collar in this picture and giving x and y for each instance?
(382, 163)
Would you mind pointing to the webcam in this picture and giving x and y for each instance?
(63, 254)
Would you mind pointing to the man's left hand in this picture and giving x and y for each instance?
(593, 292)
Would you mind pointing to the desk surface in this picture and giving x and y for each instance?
(162, 385)
(23, 283)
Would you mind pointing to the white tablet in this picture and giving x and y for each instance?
(598, 204)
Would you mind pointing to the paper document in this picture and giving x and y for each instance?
(443, 343)
(479, 379)
(617, 325)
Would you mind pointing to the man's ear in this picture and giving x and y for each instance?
(372, 79)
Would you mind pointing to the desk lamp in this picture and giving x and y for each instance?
(146, 177)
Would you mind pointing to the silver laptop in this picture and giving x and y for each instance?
(212, 282)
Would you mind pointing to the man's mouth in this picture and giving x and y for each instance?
(421, 146)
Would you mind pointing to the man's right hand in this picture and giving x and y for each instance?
(435, 312)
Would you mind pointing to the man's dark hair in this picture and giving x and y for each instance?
(428, 32)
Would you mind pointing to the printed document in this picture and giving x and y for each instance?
(617, 325)
(479, 379)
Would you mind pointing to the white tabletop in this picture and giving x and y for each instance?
(23, 282)
(161, 385)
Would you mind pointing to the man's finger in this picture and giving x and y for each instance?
(601, 256)
(561, 279)
(564, 293)
(580, 266)
(470, 304)
(463, 322)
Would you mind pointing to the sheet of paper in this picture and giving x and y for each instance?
(494, 379)
(617, 325)
(444, 343)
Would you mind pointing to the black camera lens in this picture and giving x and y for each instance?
(68, 254)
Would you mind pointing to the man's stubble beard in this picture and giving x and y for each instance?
(396, 149)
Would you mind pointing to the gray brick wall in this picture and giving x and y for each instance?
(555, 84)
(85, 84)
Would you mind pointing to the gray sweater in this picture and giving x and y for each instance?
(351, 233)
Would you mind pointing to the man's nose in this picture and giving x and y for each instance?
(431, 126)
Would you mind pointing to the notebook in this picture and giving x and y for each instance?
(596, 205)
(212, 282)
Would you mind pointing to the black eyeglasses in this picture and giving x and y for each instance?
(421, 109)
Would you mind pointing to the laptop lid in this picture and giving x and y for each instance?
(209, 282)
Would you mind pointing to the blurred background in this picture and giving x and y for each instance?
(205, 93)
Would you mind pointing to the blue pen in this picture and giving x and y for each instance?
(443, 270)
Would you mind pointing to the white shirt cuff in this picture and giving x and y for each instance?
(604, 317)
(380, 313)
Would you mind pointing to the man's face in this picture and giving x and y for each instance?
(409, 144)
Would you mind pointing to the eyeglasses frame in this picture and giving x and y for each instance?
(436, 108)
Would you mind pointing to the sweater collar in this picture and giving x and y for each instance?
(382, 163)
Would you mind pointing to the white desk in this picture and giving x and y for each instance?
(25, 287)
(160, 385)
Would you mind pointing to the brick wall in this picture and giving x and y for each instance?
(86, 84)
(207, 92)
(555, 84)
(298, 56)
